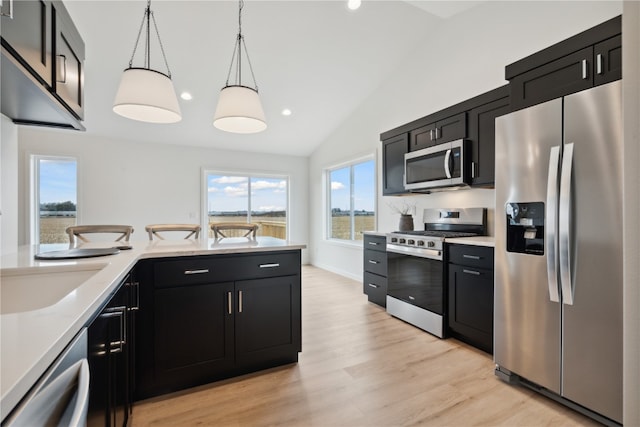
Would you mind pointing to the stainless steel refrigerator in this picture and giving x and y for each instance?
(558, 254)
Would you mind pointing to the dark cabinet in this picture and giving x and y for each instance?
(482, 132)
(375, 269)
(470, 295)
(393, 151)
(42, 67)
(206, 318)
(588, 59)
(110, 342)
(445, 130)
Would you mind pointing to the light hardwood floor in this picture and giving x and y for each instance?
(361, 367)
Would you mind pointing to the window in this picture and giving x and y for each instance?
(351, 194)
(258, 199)
(54, 189)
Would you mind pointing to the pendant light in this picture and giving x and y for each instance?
(239, 109)
(145, 94)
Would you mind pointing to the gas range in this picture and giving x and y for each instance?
(439, 225)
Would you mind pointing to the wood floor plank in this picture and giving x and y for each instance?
(361, 367)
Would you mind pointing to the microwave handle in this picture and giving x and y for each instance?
(447, 163)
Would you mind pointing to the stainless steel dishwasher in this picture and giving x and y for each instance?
(61, 396)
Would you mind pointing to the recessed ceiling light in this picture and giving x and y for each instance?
(354, 4)
(186, 96)
(286, 112)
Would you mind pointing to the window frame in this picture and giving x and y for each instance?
(327, 198)
(34, 191)
(204, 205)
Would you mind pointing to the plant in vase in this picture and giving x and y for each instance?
(406, 215)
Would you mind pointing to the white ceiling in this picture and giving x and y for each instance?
(317, 58)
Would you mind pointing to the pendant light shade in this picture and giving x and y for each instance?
(239, 110)
(145, 94)
(148, 96)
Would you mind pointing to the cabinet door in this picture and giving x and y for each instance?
(375, 287)
(569, 74)
(482, 132)
(423, 137)
(471, 306)
(393, 151)
(28, 34)
(451, 129)
(608, 60)
(68, 83)
(267, 321)
(193, 331)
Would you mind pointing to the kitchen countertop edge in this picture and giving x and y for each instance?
(488, 241)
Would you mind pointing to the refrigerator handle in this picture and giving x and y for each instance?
(564, 251)
(447, 163)
(551, 224)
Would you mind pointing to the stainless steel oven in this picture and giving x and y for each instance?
(415, 270)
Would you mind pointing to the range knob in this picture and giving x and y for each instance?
(420, 242)
(394, 239)
(431, 244)
(402, 241)
(411, 242)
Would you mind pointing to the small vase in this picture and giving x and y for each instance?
(406, 223)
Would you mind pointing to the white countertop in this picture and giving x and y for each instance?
(31, 340)
(475, 241)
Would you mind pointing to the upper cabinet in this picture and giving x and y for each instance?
(588, 59)
(42, 65)
(393, 151)
(440, 132)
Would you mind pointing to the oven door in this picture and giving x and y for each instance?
(416, 280)
(438, 166)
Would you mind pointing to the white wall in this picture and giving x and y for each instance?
(631, 96)
(466, 57)
(8, 185)
(128, 182)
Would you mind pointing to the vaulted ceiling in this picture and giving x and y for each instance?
(317, 58)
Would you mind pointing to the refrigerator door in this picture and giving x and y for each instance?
(592, 344)
(526, 320)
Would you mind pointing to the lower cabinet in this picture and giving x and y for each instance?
(375, 269)
(110, 341)
(470, 295)
(207, 318)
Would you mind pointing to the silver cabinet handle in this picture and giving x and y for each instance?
(475, 273)
(471, 256)
(438, 134)
(584, 69)
(373, 286)
(564, 226)
(473, 169)
(203, 271)
(411, 298)
(229, 303)
(373, 262)
(551, 225)
(431, 135)
(373, 243)
(61, 69)
(599, 63)
(239, 301)
(115, 346)
(269, 265)
(447, 169)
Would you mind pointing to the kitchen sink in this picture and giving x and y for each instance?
(34, 288)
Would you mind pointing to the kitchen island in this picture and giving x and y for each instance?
(31, 340)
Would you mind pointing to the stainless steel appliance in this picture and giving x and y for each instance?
(61, 396)
(415, 271)
(440, 166)
(558, 254)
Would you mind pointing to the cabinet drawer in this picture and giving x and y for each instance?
(375, 262)
(375, 243)
(212, 269)
(375, 287)
(472, 256)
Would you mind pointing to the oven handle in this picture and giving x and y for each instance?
(422, 253)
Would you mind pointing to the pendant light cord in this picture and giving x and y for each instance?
(237, 49)
(148, 17)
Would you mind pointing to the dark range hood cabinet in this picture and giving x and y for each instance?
(42, 65)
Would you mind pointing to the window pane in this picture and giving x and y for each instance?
(255, 199)
(269, 206)
(57, 198)
(363, 198)
(340, 195)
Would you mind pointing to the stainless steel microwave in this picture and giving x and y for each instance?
(440, 166)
